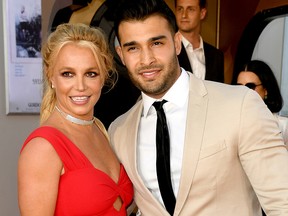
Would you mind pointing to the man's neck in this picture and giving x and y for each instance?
(193, 38)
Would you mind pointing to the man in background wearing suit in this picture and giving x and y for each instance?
(202, 59)
(227, 153)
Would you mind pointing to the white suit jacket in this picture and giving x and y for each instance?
(234, 155)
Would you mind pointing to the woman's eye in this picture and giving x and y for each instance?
(67, 74)
(92, 74)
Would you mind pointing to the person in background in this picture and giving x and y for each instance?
(225, 145)
(24, 24)
(67, 166)
(202, 59)
(257, 75)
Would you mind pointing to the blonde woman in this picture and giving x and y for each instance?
(66, 166)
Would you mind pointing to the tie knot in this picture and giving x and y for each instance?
(159, 104)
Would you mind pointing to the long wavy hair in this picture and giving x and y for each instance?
(82, 35)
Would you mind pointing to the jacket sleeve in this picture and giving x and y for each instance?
(263, 155)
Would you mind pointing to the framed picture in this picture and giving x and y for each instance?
(23, 62)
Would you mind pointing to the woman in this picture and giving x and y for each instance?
(258, 76)
(66, 166)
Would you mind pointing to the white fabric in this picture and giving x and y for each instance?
(283, 125)
(196, 57)
(175, 111)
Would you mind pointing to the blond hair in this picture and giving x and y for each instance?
(82, 35)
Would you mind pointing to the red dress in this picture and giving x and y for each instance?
(84, 190)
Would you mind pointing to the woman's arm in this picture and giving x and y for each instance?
(39, 170)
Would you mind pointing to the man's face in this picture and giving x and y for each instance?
(189, 15)
(149, 51)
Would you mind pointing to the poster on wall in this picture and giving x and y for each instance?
(23, 62)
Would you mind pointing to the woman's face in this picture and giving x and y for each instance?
(251, 80)
(77, 81)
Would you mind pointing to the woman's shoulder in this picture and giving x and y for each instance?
(37, 135)
(43, 137)
(37, 150)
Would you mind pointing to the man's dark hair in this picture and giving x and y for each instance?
(141, 10)
(202, 3)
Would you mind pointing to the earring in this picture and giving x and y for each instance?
(52, 86)
(265, 97)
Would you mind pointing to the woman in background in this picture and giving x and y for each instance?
(258, 76)
(66, 166)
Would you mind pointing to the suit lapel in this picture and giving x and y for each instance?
(131, 162)
(132, 127)
(196, 118)
(184, 60)
(207, 60)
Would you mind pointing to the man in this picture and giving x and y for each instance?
(226, 148)
(202, 59)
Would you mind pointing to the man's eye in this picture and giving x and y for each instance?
(131, 49)
(157, 43)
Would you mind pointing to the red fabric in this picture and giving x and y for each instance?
(83, 189)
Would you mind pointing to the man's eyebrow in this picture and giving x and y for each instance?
(157, 38)
(132, 43)
(129, 44)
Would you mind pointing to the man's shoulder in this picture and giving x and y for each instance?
(127, 115)
(208, 46)
(216, 90)
(214, 87)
